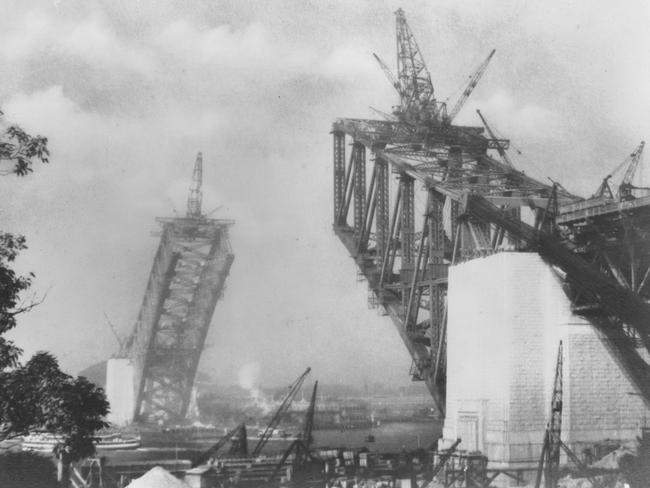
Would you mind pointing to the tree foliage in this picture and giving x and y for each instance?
(11, 287)
(37, 395)
(20, 150)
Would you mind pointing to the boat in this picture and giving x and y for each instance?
(113, 441)
(276, 434)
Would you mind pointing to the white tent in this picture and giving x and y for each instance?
(157, 477)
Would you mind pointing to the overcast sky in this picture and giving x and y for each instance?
(129, 91)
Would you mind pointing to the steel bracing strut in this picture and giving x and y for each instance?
(448, 200)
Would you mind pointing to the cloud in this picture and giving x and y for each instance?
(351, 62)
(51, 113)
(128, 93)
(523, 120)
(93, 42)
(247, 49)
(28, 34)
(90, 41)
(122, 154)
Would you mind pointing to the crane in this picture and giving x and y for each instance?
(631, 164)
(500, 144)
(549, 462)
(280, 413)
(309, 418)
(412, 73)
(413, 83)
(473, 81)
(384, 115)
(604, 190)
(302, 455)
(444, 457)
(389, 74)
(196, 194)
(237, 433)
(122, 342)
(626, 187)
(300, 447)
(239, 442)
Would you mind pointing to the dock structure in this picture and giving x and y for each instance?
(187, 279)
(435, 198)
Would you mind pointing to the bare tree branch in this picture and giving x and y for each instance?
(33, 303)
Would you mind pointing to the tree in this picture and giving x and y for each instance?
(20, 149)
(37, 395)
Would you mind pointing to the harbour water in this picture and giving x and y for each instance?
(389, 437)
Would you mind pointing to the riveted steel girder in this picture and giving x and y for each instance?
(187, 278)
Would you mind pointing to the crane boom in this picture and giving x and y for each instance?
(384, 115)
(240, 431)
(301, 454)
(555, 427)
(473, 81)
(500, 144)
(279, 414)
(309, 418)
(413, 76)
(625, 188)
(549, 462)
(389, 74)
(444, 458)
(121, 342)
(604, 190)
(239, 442)
(196, 194)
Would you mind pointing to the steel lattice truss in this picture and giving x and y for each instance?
(186, 281)
(403, 244)
(470, 207)
(435, 197)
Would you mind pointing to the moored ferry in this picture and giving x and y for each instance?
(45, 441)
